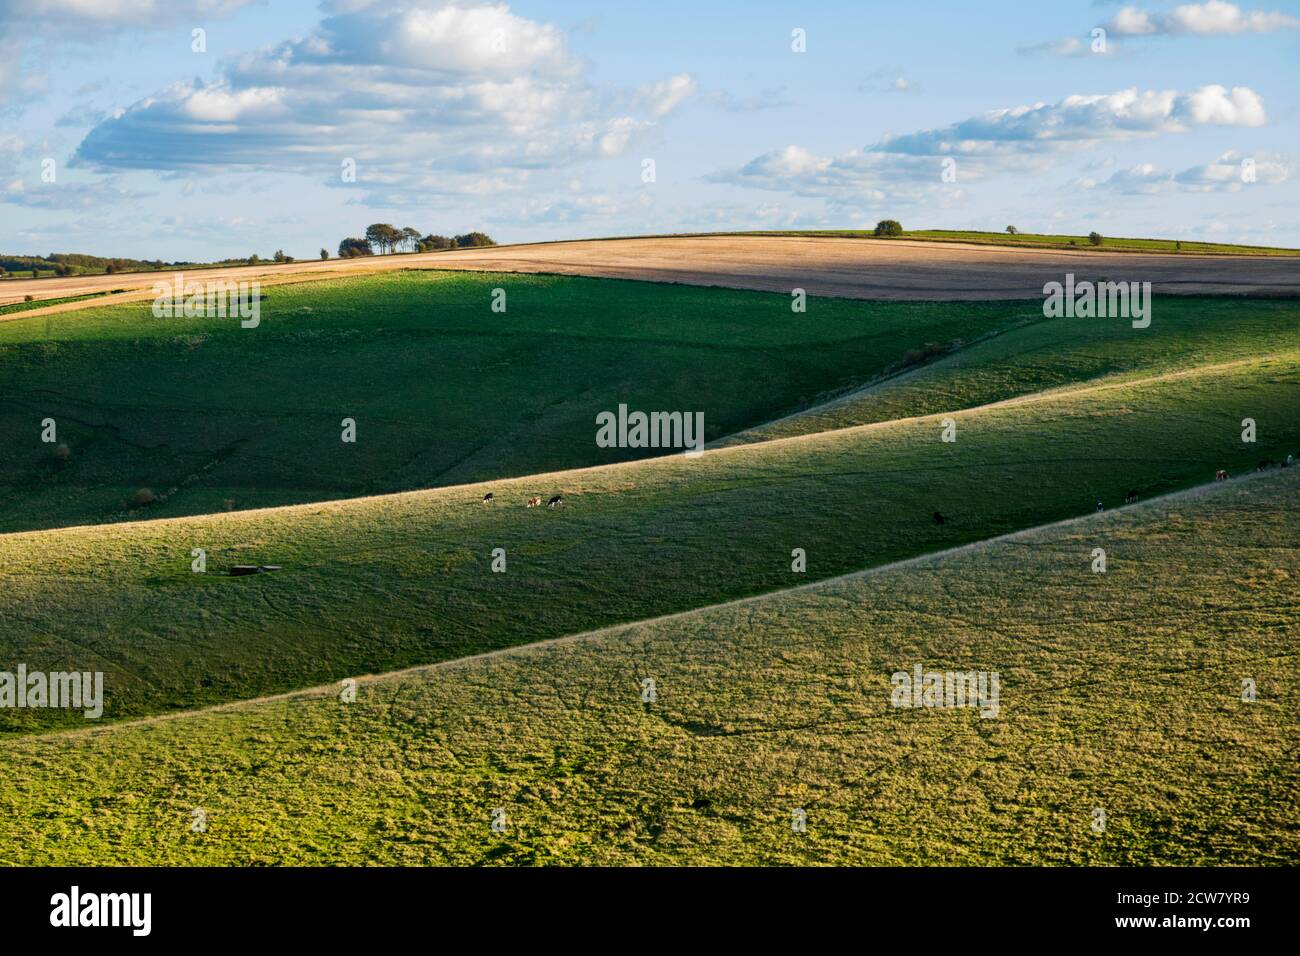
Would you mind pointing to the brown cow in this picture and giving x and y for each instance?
(535, 501)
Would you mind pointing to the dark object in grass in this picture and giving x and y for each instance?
(1100, 506)
(938, 518)
(1131, 497)
(239, 570)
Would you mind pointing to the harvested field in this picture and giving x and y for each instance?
(848, 268)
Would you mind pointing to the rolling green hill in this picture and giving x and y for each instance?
(1120, 691)
(211, 417)
(387, 582)
(1048, 354)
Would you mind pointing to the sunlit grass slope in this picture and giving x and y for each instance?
(1057, 354)
(1120, 691)
(387, 582)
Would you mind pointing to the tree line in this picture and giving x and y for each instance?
(382, 238)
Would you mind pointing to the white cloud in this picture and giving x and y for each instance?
(1084, 119)
(1024, 139)
(31, 30)
(1230, 172)
(1214, 17)
(665, 96)
(414, 93)
(1217, 106)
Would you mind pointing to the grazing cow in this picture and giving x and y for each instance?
(535, 501)
(487, 498)
(938, 518)
(1220, 475)
(1131, 497)
(555, 502)
(1100, 506)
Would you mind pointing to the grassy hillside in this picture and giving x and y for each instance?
(1056, 354)
(382, 583)
(215, 417)
(1120, 691)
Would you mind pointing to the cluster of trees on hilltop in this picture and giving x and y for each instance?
(381, 238)
(76, 263)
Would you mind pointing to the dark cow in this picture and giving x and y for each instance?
(555, 502)
(1264, 463)
(1100, 506)
(1131, 497)
(487, 497)
(938, 518)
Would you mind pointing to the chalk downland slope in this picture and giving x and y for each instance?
(376, 584)
(1120, 691)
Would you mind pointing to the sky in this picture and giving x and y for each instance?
(208, 129)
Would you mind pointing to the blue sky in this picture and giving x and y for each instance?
(533, 120)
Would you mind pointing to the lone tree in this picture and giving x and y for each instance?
(324, 253)
(352, 247)
(1095, 238)
(474, 239)
(889, 227)
(1012, 230)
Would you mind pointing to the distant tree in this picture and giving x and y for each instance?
(36, 273)
(279, 255)
(1178, 245)
(1012, 230)
(352, 247)
(324, 253)
(432, 243)
(1095, 238)
(471, 239)
(383, 236)
(254, 259)
(110, 269)
(889, 227)
(410, 238)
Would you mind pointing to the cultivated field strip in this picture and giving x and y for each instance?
(852, 268)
